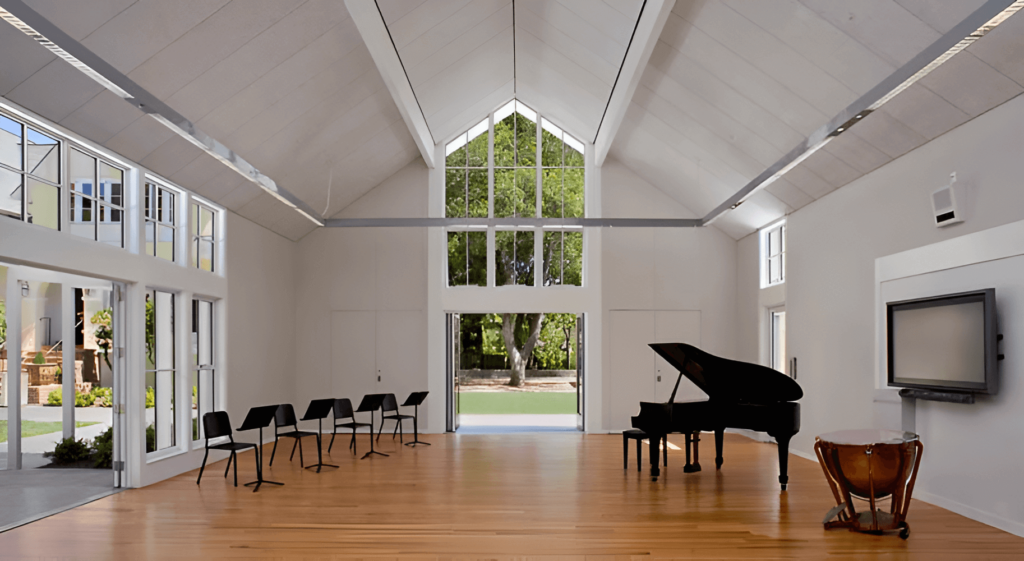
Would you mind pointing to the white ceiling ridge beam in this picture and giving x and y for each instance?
(962, 35)
(513, 222)
(653, 16)
(43, 31)
(370, 23)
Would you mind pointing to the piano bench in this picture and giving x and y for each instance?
(639, 436)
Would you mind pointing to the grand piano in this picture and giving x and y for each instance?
(741, 395)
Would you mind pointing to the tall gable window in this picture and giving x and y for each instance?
(773, 254)
(509, 167)
(30, 187)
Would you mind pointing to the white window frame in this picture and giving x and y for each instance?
(198, 369)
(175, 224)
(194, 239)
(767, 253)
(26, 175)
(95, 197)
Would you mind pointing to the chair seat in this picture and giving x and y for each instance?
(296, 434)
(232, 446)
(634, 433)
(353, 425)
(399, 416)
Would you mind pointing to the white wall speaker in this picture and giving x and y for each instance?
(944, 205)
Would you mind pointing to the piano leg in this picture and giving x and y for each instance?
(691, 444)
(655, 441)
(719, 436)
(696, 451)
(783, 460)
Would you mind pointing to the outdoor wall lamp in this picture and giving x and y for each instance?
(24, 288)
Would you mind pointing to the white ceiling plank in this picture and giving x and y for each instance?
(102, 117)
(22, 58)
(648, 28)
(56, 91)
(808, 182)
(858, 154)
(1003, 48)
(466, 116)
(79, 19)
(970, 84)
(925, 112)
(378, 41)
(788, 193)
(394, 10)
(473, 25)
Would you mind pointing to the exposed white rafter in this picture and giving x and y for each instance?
(377, 38)
(648, 29)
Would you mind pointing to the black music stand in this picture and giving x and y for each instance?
(415, 400)
(371, 403)
(317, 411)
(259, 418)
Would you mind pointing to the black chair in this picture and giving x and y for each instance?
(284, 418)
(343, 410)
(216, 424)
(390, 404)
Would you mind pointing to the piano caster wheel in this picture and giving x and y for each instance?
(691, 468)
(783, 486)
(905, 531)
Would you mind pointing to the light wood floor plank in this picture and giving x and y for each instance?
(548, 497)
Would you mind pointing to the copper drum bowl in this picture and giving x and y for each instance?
(870, 464)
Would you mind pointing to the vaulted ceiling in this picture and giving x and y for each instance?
(731, 86)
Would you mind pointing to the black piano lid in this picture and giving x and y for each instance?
(729, 380)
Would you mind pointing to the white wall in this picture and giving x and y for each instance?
(370, 270)
(690, 269)
(832, 247)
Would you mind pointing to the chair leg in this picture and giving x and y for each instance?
(639, 454)
(274, 451)
(297, 441)
(235, 456)
(398, 423)
(401, 433)
(625, 452)
(202, 467)
(302, 463)
(227, 468)
(352, 444)
(380, 430)
(331, 445)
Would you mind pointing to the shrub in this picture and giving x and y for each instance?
(84, 399)
(150, 439)
(69, 451)
(54, 398)
(97, 396)
(39, 359)
(150, 398)
(103, 397)
(103, 449)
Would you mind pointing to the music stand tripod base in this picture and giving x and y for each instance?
(259, 418)
(371, 403)
(319, 409)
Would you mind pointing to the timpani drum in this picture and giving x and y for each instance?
(871, 465)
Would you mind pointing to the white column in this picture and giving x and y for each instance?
(12, 385)
(67, 335)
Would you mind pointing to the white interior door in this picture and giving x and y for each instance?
(631, 364)
(353, 358)
(675, 327)
(401, 344)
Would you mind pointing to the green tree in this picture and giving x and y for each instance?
(3, 323)
(104, 333)
(520, 333)
(556, 346)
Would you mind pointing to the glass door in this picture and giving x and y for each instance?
(777, 340)
(581, 418)
(453, 352)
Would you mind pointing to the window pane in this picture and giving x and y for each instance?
(151, 198)
(526, 192)
(573, 193)
(150, 238)
(504, 193)
(526, 141)
(163, 331)
(43, 204)
(477, 266)
(196, 409)
(551, 147)
(166, 207)
(775, 242)
(109, 229)
(478, 146)
(10, 193)
(206, 256)
(194, 221)
(206, 223)
(457, 259)
(204, 338)
(456, 156)
(202, 399)
(43, 154)
(160, 416)
(775, 269)
(552, 258)
(504, 141)
(572, 258)
(83, 172)
(455, 193)
(551, 195)
(165, 242)
(111, 184)
(478, 193)
(573, 152)
(82, 217)
(513, 252)
(10, 142)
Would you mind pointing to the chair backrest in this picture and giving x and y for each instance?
(216, 424)
(342, 408)
(390, 403)
(415, 398)
(285, 416)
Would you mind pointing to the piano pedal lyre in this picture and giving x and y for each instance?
(692, 442)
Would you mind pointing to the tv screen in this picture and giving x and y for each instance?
(944, 343)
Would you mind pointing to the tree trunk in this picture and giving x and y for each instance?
(510, 324)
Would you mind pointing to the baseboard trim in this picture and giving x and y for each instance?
(994, 520)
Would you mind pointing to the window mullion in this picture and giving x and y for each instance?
(491, 262)
(538, 236)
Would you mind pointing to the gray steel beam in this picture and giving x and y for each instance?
(513, 222)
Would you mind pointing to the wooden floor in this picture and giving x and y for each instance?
(495, 497)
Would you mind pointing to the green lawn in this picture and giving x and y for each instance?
(36, 428)
(518, 403)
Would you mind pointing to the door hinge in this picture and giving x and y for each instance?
(119, 465)
(120, 352)
(119, 408)
(120, 293)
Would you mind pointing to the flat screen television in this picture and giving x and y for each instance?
(944, 343)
